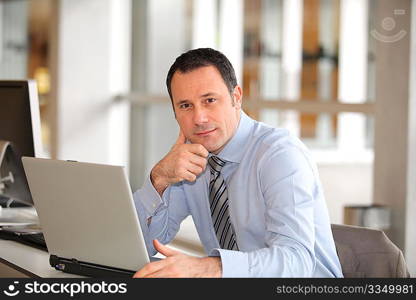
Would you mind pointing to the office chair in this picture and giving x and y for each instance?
(365, 252)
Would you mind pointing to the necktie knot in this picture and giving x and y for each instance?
(216, 164)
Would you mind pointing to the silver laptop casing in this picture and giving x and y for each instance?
(86, 212)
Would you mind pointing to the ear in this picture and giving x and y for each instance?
(238, 96)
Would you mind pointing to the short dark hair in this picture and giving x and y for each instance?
(203, 57)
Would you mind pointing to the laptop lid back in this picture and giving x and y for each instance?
(86, 211)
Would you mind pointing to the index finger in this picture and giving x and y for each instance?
(199, 150)
(181, 138)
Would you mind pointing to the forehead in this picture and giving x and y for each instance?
(201, 80)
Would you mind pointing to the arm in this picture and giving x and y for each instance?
(160, 216)
(161, 205)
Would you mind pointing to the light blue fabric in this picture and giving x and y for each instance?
(277, 208)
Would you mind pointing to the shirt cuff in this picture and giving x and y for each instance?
(234, 263)
(149, 197)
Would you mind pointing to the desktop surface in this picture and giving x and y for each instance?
(29, 261)
(32, 262)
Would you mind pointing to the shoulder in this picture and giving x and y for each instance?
(279, 149)
(274, 141)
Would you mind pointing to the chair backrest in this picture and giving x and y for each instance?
(365, 252)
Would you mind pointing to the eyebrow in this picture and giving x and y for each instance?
(209, 94)
(182, 102)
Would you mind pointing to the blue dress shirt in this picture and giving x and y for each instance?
(276, 204)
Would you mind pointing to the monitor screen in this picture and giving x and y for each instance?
(20, 125)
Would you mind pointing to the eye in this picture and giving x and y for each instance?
(184, 105)
(211, 100)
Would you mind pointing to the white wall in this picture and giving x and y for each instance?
(93, 65)
(392, 134)
(410, 245)
(346, 184)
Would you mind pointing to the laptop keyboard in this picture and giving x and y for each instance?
(36, 240)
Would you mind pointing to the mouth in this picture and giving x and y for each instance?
(205, 133)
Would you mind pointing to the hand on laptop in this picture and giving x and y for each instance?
(183, 162)
(177, 264)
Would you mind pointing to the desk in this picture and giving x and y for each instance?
(19, 260)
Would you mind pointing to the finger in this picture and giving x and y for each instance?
(161, 274)
(189, 166)
(199, 161)
(194, 169)
(188, 176)
(166, 251)
(198, 149)
(181, 138)
(150, 268)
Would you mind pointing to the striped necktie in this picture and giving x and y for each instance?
(218, 199)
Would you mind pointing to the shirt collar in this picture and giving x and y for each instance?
(235, 148)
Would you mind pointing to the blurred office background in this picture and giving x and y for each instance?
(340, 74)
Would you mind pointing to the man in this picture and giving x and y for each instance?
(252, 190)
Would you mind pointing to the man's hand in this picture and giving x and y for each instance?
(183, 162)
(177, 264)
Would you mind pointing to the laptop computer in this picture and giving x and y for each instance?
(88, 217)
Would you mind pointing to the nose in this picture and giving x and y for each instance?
(200, 116)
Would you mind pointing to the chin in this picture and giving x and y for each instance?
(213, 148)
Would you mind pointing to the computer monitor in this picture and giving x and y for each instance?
(19, 125)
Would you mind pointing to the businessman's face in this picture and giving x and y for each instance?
(205, 110)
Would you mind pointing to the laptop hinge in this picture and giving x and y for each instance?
(75, 266)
